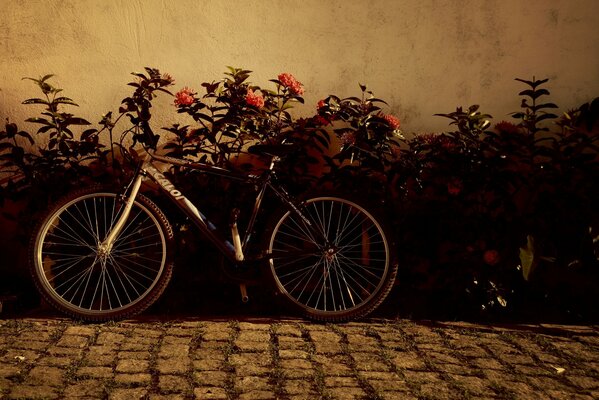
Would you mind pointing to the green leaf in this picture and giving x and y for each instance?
(534, 94)
(37, 120)
(77, 121)
(65, 100)
(36, 101)
(527, 258)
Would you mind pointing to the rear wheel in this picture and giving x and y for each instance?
(78, 277)
(334, 261)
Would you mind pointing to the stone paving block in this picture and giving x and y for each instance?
(294, 363)
(217, 331)
(248, 384)
(132, 366)
(359, 342)
(72, 352)
(139, 379)
(136, 346)
(173, 365)
(487, 363)
(90, 389)
(325, 342)
(584, 382)
(291, 330)
(110, 339)
(86, 331)
(54, 361)
(73, 341)
(561, 395)
(296, 386)
(134, 355)
(291, 343)
(408, 360)
(252, 346)
(210, 378)
(181, 340)
(44, 375)
(19, 356)
(254, 326)
(95, 372)
(420, 377)
(333, 365)
(173, 350)
(207, 365)
(7, 370)
(472, 384)
(210, 392)
(173, 384)
(394, 385)
(259, 359)
(209, 354)
(33, 392)
(254, 336)
(128, 394)
(347, 393)
(341, 381)
(369, 362)
(301, 354)
(33, 345)
(439, 390)
(257, 395)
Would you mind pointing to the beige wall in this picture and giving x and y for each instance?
(423, 56)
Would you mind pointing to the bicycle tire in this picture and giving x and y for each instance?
(340, 267)
(75, 277)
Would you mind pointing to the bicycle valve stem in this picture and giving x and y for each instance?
(235, 235)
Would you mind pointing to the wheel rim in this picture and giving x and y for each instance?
(337, 265)
(82, 276)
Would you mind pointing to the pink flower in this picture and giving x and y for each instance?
(254, 99)
(348, 138)
(320, 104)
(392, 121)
(289, 81)
(184, 97)
(455, 186)
(491, 257)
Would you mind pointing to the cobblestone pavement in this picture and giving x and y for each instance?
(294, 359)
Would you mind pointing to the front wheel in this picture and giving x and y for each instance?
(78, 276)
(332, 259)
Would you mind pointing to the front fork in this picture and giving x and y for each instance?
(105, 247)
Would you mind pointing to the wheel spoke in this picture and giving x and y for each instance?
(79, 276)
(348, 266)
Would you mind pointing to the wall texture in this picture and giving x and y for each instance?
(422, 56)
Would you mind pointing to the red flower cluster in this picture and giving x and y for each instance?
(507, 127)
(348, 138)
(392, 120)
(491, 257)
(291, 83)
(254, 99)
(455, 186)
(184, 97)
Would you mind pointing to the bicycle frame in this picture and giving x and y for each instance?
(232, 251)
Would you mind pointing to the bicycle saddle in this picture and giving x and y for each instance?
(272, 150)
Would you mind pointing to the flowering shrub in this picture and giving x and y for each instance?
(489, 210)
(233, 113)
(481, 212)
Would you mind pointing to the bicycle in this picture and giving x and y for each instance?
(102, 254)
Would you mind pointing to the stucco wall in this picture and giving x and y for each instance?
(423, 56)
